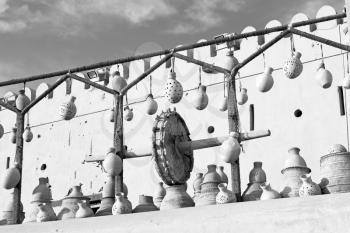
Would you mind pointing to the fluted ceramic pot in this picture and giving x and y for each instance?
(209, 187)
(176, 197)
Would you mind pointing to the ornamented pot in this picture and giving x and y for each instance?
(225, 196)
(223, 104)
(27, 134)
(293, 66)
(112, 163)
(173, 89)
(228, 62)
(346, 82)
(242, 97)
(176, 197)
(265, 81)
(13, 135)
(222, 174)
(308, 188)
(159, 194)
(201, 98)
(230, 148)
(209, 187)
(68, 109)
(22, 100)
(145, 204)
(118, 82)
(152, 105)
(10, 178)
(111, 115)
(128, 113)
(45, 213)
(257, 174)
(121, 206)
(268, 193)
(323, 76)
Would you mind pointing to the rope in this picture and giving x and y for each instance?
(321, 47)
(200, 76)
(150, 84)
(224, 85)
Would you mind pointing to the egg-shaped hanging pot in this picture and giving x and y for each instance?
(22, 100)
(230, 148)
(13, 135)
(27, 134)
(152, 105)
(201, 98)
(346, 82)
(118, 82)
(228, 61)
(10, 178)
(128, 113)
(111, 115)
(293, 67)
(242, 96)
(173, 89)
(67, 110)
(265, 81)
(323, 76)
(1, 130)
(112, 163)
(223, 104)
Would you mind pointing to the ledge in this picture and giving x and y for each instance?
(326, 213)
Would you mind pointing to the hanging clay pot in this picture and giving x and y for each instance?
(209, 187)
(84, 211)
(242, 97)
(257, 177)
(27, 134)
(68, 109)
(201, 98)
(44, 215)
(152, 105)
(22, 100)
(228, 61)
(118, 82)
(173, 89)
(265, 81)
(323, 76)
(176, 197)
(145, 204)
(10, 178)
(159, 194)
(13, 135)
(111, 115)
(223, 104)
(346, 82)
(230, 148)
(224, 178)
(128, 113)
(1, 130)
(293, 66)
(308, 187)
(225, 196)
(268, 193)
(120, 205)
(112, 163)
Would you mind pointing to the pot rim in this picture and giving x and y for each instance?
(334, 154)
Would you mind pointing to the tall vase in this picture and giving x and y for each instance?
(159, 194)
(308, 187)
(257, 177)
(209, 187)
(176, 197)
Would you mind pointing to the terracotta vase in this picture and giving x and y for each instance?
(257, 177)
(27, 134)
(201, 98)
(293, 66)
(13, 135)
(176, 197)
(346, 82)
(209, 187)
(225, 196)
(112, 163)
(44, 215)
(2, 131)
(111, 115)
(145, 204)
(228, 61)
(223, 104)
(222, 174)
(42, 192)
(242, 97)
(128, 113)
(268, 193)
(265, 81)
(308, 187)
(10, 178)
(159, 194)
(118, 82)
(323, 76)
(67, 110)
(22, 100)
(121, 206)
(230, 149)
(173, 89)
(151, 105)
(257, 174)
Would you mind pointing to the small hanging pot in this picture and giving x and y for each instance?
(67, 110)
(323, 76)
(201, 98)
(13, 135)
(112, 163)
(111, 115)
(173, 89)
(265, 81)
(118, 82)
(10, 178)
(293, 67)
(22, 100)
(152, 105)
(1, 130)
(230, 148)
(128, 113)
(27, 134)
(346, 82)
(242, 96)
(223, 104)
(229, 61)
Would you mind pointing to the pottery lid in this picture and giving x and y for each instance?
(294, 159)
(337, 148)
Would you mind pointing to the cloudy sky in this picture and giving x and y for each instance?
(38, 36)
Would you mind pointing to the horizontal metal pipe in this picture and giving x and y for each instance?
(167, 51)
(98, 86)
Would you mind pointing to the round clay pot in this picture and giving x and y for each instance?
(173, 89)
(84, 211)
(151, 105)
(308, 187)
(242, 97)
(128, 113)
(67, 110)
(22, 100)
(145, 204)
(223, 104)
(121, 206)
(265, 81)
(10, 178)
(27, 134)
(118, 82)
(293, 66)
(323, 76)
(176, 197)
(201, 98)
(228, 62)
(42, 192)
(112, 163)
(230, 149)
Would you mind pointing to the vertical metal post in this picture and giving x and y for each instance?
(119, 136)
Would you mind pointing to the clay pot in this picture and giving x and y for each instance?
(173, 89)
(44, 215)
(118, 82)
(257, 174)
(268, 193)
(257, 177)
(223, 176)
(337, 148)
(159, 194)
(225, 196)
(10, 178)
(84, 211)
(151, 105)
(201, 98)
(112, 163)
(22, 100)
(293, 67)
(145, 204)
(228, 62)
(67, 110)
(209, 187)
(121, 206)
(308, 188)
(106, 206)
(128, 113)
(242, 97)
(1, 130)
(27, 134)
(176, 197)
(323, 76)
(223, 104)
(42, 192)
(230, 148)
(31, 215)
(111, 115)
(346, 82)
(197, 183)
(265, 81)
(70, 206)
(13, 136)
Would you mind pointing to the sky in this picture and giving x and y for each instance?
(39, 36)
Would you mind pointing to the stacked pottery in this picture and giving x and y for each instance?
(225, 196)
(257, 177)
(293, 66)
(67, 110)
(84, 211)
(22, 100)
(145, 204)
(308, 187)
(222, 174)
(173, 89)
(121, 205)
(197, 186)
(242, 97)
(294, 168)
(159, 194)
(265, 82)
(268, 193)
(323, 76)
(209, 187)
(176, 197)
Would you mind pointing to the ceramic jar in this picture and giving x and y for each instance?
(257, 174)
(201, 98)
(323, 76)
(223, 104)
(222, 174)
(197, 186)
(293, 66)
(176, 197)
(265, 81)
(294, 168)
(112, 164)
(128, 113)
(45, 213)
(346, 82)
(308, 187)
(2, 131)
(268, 193)
(225, 196)
(230, 149)
(121, 206)
(27, 134)
(159, 194)
(145, 204)
(257, 177)
(22, 100)
(228, 61)
(242, 97)
(13, 135)
(151, 105)
(42, 192)
(118, 82)
(173, 89)
(106, 206)
(209, 187)
(67, 110)
(10, 178)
